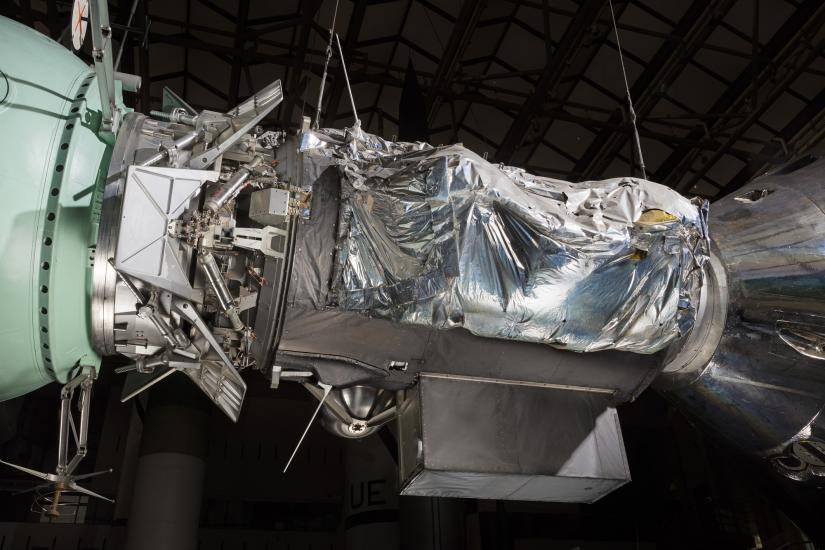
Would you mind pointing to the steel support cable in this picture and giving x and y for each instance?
(631, 111)
(357, 122)
(326, 67)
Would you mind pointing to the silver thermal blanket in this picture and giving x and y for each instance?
(440, 237)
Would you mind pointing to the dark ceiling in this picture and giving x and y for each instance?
(723, 89)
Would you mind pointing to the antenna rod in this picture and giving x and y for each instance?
(326, 389)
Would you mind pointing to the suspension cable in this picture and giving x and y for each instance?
(326, 67)
(357, 122)
(631, 111)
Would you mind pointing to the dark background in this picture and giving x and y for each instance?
(723, 90)
(688, 490)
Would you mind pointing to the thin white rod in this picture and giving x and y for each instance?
(309, 424)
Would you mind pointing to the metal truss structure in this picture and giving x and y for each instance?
(723, 89)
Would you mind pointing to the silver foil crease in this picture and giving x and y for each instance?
(438, 236)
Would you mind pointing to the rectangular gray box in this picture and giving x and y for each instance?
(484, 438)
(269, 206)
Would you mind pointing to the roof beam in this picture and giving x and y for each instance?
(790, 69)
(258, 28)
(434, 8)
(552, 109)
(463, 30)
(187, 23)
(308, 11)
(576, 74)
(279, 112)
(458, 121)
(737, 96)
(805, 130)
(556, 113)
(217, 9)
(393, 50)
(238, 60)
(556, 66)
(698, 22)
(417, 48)
(145, 100)
(253, 57)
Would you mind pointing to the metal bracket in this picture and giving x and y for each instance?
(153, 198)
(279, 374)
(251, 238)
(261, 103)
(174, 337)
(221, 382)
(102, 55)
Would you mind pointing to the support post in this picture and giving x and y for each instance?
(168, 489)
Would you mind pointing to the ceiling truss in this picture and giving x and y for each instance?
(540, 102)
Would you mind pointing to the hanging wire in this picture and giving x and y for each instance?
(357, 122)
(314, 42)
(125, 34)
(435, 32)
(631, 111)
(326, 67)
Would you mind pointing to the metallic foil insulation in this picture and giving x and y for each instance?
(438, 236)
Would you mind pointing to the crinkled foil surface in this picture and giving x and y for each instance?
(438, 236)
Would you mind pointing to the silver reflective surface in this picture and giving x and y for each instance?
(758, 378)
(440, 237)
(357, 411)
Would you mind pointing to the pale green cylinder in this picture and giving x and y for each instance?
(53, 162)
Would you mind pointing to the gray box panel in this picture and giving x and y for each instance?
(155, 196)
(269, 206)
(484, 438)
